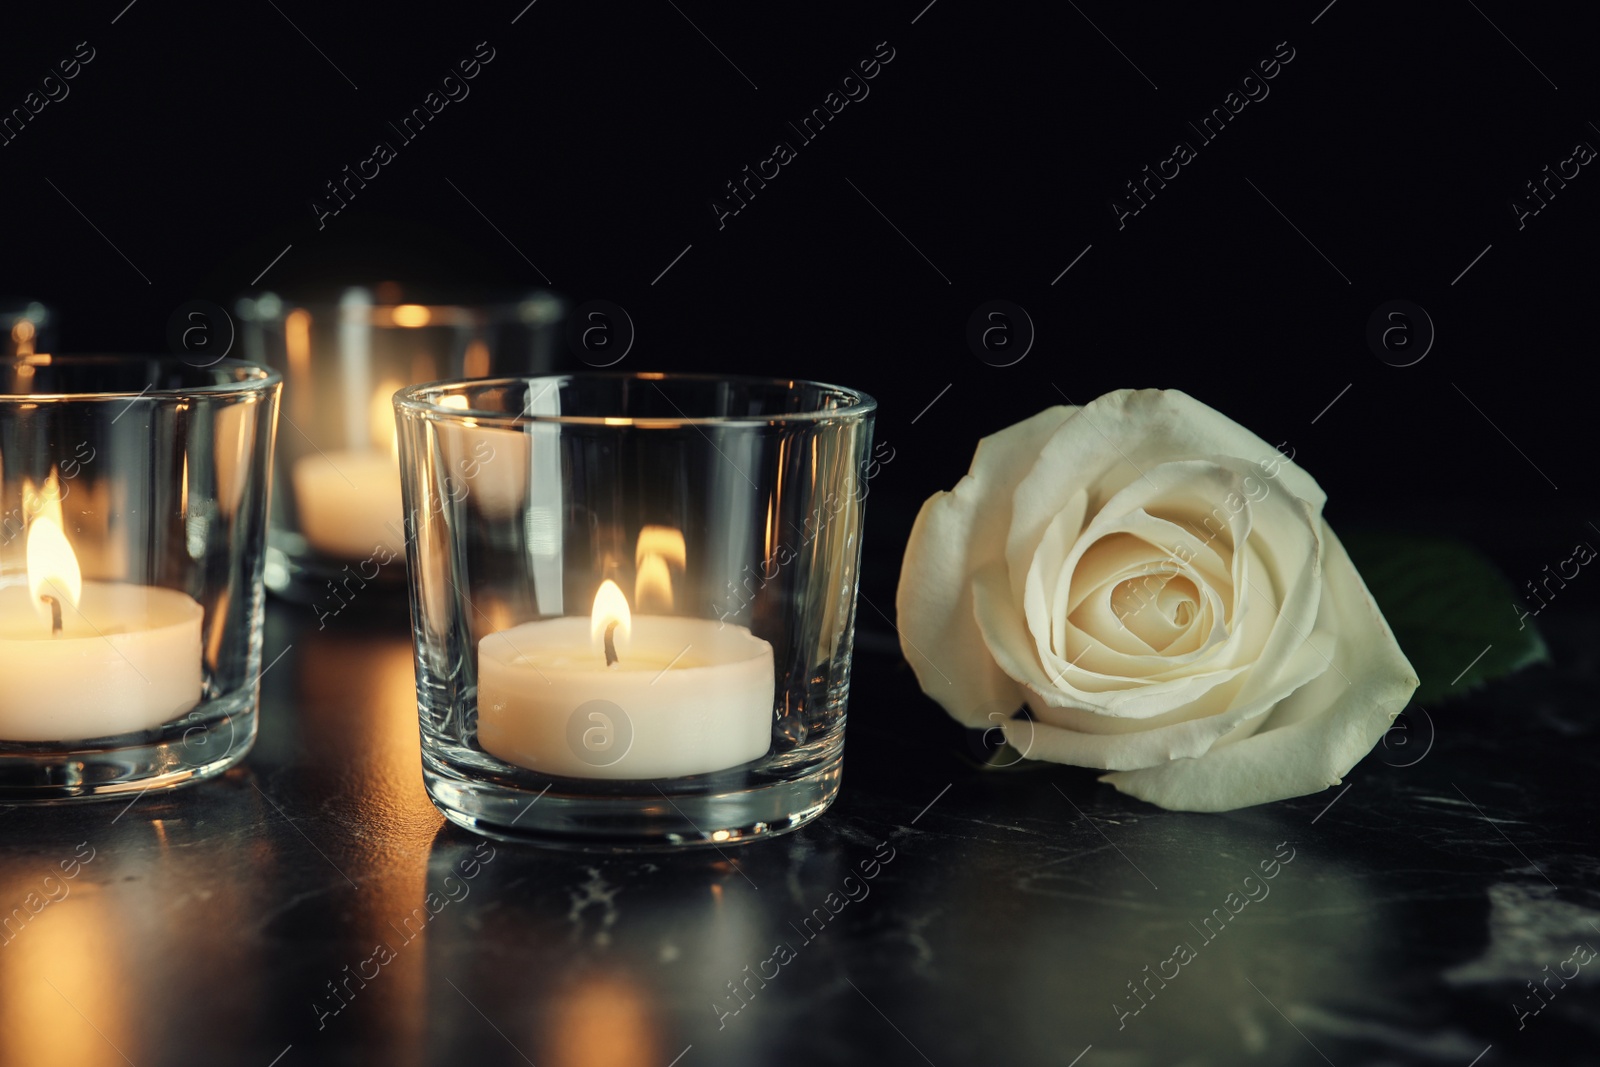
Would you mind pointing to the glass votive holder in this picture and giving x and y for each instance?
(633, 600)
(336, 535)
(133, 509)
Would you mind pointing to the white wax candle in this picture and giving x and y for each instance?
(349, 503)
(687, 696)
(127, 659)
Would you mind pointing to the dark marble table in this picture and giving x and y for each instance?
(282, 914)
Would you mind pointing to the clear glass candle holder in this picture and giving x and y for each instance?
(336, 537)
(133, 510)
(633, 600)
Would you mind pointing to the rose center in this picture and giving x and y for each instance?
(1156, 608)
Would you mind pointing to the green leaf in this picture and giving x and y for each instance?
(1447, 604)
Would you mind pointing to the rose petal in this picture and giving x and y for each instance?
(1293, 560)
(1006, 636)
(1313, 738)
(1166, 539)
(1274, 580)
(1088, 671)
(1114, 442)
(1083, 739)
(1203, 569)
(955, 534)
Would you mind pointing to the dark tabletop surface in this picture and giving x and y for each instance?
(312, 907)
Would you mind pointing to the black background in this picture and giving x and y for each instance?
(995, 140)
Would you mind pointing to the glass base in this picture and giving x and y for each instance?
(210, 739)
(635, 816)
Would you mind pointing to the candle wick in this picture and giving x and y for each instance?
(610, 640)
(55, 614)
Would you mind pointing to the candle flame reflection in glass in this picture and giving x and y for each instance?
(44, 500)
(660, 549)
(663, 541)
(652, 585)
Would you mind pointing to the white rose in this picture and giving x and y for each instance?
(1157, 584)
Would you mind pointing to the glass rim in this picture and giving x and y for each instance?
(413, 400)
(261, 378)
(449, 313)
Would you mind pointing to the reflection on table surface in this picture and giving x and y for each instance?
(312, 905)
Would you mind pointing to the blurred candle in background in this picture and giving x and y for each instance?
(338, 526)
(349, 501)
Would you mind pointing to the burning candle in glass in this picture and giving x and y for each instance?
(91, 659)
(572, 695)
(616, 695)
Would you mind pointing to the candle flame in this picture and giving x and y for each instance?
(297, 346)
(52, 567)
(610, 606)
(411, 315)
(22, 337)
(660, 548)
